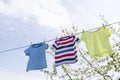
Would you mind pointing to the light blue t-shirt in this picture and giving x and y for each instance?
(37, 56)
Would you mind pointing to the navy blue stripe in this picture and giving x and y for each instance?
(70, 45)
(72, 49)
(54, 46)
(77, 39)
(66, 63)
(69, 59)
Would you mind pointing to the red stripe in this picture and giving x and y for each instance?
(66, 42)
(65, 55)
(64, 38)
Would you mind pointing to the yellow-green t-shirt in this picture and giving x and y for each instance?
(97, 42)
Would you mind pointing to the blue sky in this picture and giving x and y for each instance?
(26, 21)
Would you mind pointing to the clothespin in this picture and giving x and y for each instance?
(103, 25)
(44, 41)
(83, 30)
(31, 43)
(56, 38)
(71, 34)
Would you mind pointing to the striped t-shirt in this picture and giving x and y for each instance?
(65, 50)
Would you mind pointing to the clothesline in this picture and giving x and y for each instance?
(54, 39)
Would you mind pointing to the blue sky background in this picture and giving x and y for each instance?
(26, 21)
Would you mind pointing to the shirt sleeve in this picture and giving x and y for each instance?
(82, 37)
(27, 51)
(54, 47)
(46, 46)
(108, 31)
(77, 40)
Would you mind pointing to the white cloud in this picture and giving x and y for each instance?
(47, 12)
(52, 13)
(87, 13)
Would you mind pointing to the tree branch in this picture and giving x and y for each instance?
(66, 72)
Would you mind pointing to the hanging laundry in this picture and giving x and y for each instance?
(97, 42)
(65, 50)
(37, 56)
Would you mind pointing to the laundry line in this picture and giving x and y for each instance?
(55, 39)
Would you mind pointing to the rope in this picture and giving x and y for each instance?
(54, 39)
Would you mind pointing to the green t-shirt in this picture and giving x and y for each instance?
(97, 42)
